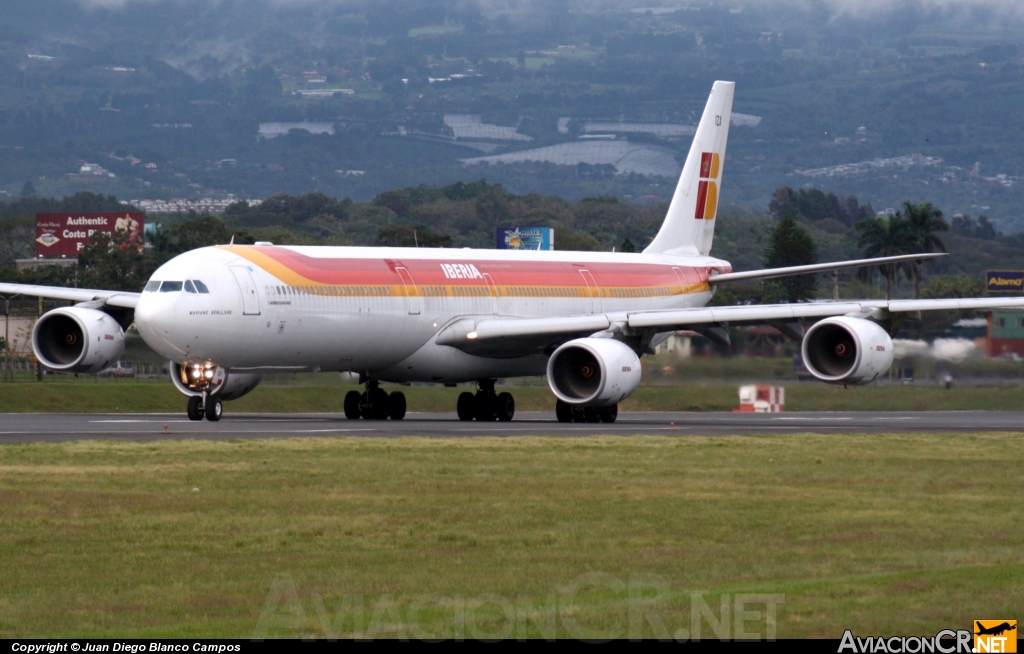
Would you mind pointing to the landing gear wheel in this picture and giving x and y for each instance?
(214, 409)
(592, 414)
(365, 407)
(505, 407)
(380, 405)
(563, 411)
(396, 405)
(466, 407)
(486, 405)
(352, 401)
(194, 412)
(579, 414)
(609, 413)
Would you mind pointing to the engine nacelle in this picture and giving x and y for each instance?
(195, 379)
(845, 350)
(593, 372)
(76, 339)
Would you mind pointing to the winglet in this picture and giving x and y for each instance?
(689, 225)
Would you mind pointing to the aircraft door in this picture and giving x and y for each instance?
(494, 292)
(413, 299)
(593, 290)
(246, 285)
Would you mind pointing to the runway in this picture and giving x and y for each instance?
(22, 428)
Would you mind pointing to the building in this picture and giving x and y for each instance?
(1005, 333)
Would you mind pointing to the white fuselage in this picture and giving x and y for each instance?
(378, 310)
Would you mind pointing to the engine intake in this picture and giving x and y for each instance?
(593, 372)
(845, 350)
(76, 339)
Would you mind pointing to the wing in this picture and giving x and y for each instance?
(119, 299)
(508, 337)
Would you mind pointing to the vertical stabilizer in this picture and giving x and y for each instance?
(689, 225)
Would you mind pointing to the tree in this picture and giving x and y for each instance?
(397, 201)
(923, 221)
(195, 233)
(28, 190)
(627, 245)
(417, 236)
(566, 239)
(791, 245)
(115, 262)
(887, 237)
(965, 225)
(949, 286)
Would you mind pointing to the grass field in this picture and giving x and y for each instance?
(881, 534)
(128, 396)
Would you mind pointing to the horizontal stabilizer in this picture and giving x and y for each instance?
(789, 271)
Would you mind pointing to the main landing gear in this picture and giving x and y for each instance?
(571, 413)
(206, 405)
(486, 405)
(375, 403)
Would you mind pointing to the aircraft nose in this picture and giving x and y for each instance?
(155, 311)
(155, 318)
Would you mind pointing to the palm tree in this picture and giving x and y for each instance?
(924, 221)
(887, 237)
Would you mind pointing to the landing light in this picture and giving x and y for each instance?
(471, 335)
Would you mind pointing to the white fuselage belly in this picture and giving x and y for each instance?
(378, 310)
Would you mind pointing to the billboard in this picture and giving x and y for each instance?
(1004, 281)
(65, 234)
(526, 238)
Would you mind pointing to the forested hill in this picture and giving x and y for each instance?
(159, 99)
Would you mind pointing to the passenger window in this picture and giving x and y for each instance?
(152, 287)
(201, 287)
(170, 287)
(189, 288)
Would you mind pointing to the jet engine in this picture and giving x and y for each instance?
(593, 372)
(845, 350)
(194, 379)
(76, 339)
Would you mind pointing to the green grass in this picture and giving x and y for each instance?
(318, 395)
(881, 534)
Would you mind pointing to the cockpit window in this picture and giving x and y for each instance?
(170, 287)
(201, 287)
(151, 287)
(189, 288)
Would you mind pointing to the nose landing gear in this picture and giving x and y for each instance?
(375, 403)
(486, 405)
(204, 379)
(205, 405)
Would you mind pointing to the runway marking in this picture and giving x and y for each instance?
(808, 419)
(148, 421)
(115, 435)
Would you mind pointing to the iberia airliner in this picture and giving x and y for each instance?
(226, 315)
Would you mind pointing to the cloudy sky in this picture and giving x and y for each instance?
(836, 7)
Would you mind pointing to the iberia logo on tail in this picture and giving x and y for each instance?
(707, 192)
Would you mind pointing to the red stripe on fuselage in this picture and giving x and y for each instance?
(338, 271)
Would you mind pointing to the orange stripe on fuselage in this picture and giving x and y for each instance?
(512, 278)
